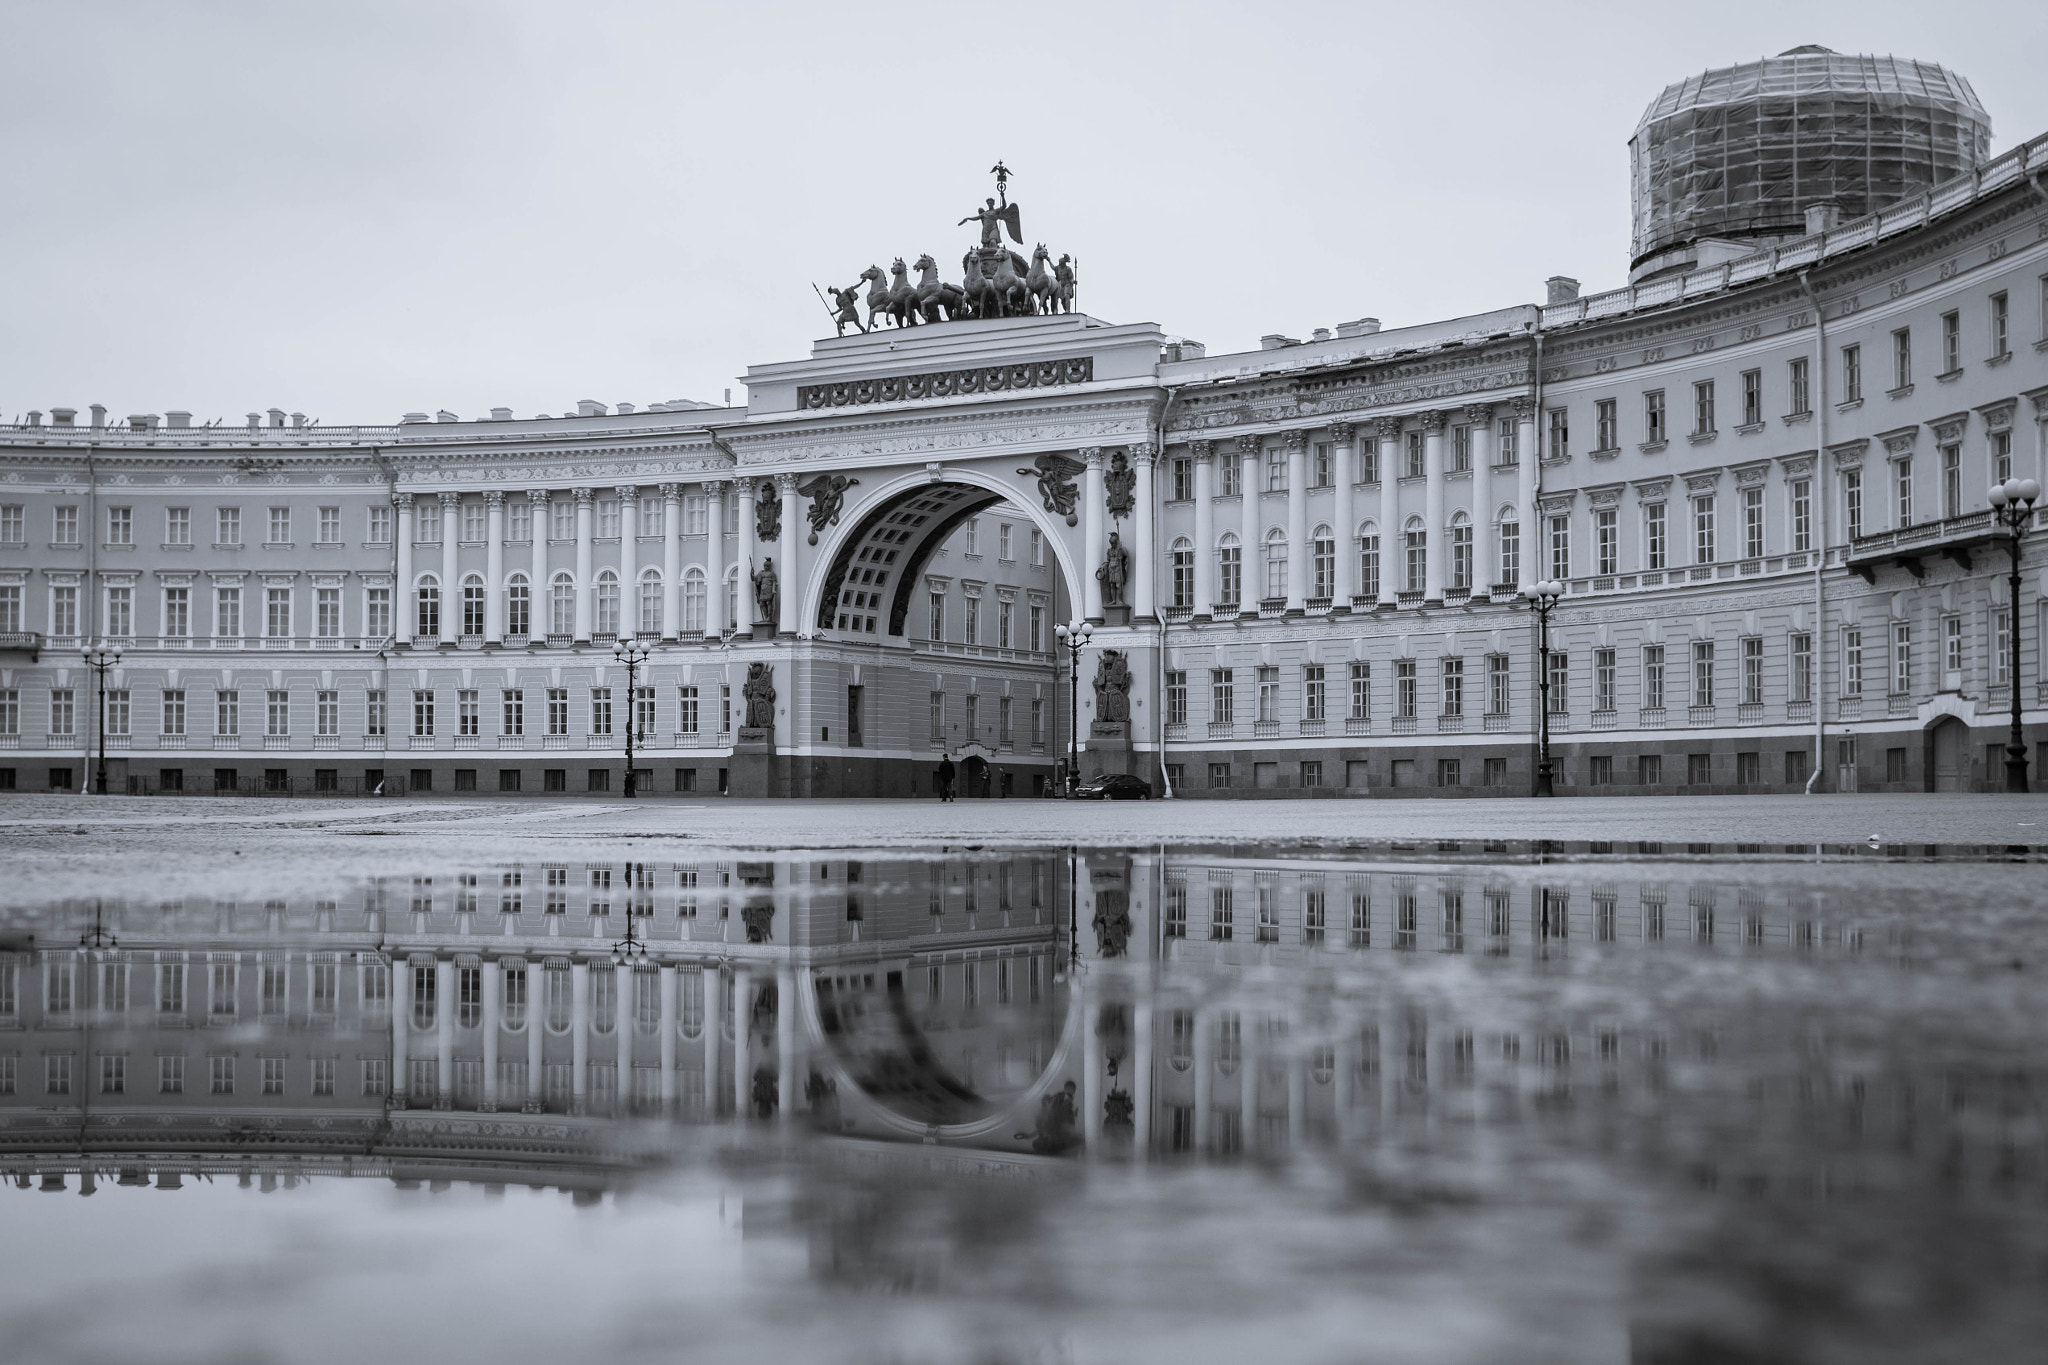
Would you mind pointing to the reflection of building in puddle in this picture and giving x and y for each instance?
(1153, 1005)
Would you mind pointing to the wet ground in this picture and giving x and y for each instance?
(1668, 1081)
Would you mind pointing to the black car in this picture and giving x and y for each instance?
(1114, 787)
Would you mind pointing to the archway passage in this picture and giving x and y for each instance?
(868, 589)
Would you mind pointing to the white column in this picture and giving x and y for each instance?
(1529, 467)
(791, 510)
(1092, 540)
(539, 602)
(714, 1027)
(1250, 1061)
(494, 990)
(404, 604)
(1343, 519)
(1485, 554)
(788, 1081)
(742, 1043)
(401, 1031)
(1205, 527)
(1298, 548)
(1345, 1083)
(1433, 518)
(1252, 560)
(714, 559)
(536, 1027)
(444, 1034)
(745, 552)
(1145, 554)
(668, 1040)
(451, 586)
(579, 1027)
(629, 563)
(586, 580)
(623, 986)
(1141, 1075)
(1393, 546)
(1297, 1099)
(1091, 1067)
(671, 561)
(494, 567)
(1205, 1076)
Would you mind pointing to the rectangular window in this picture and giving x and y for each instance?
(1506, 446)
(1497, 684)
(972, 631)
(1511, 553)
(473, 523)
(1951, 481)
(120, 714)
(277, 613)
(1852, 502)
(1404, 689)
(377, 613)
(177, 526)
(1454, 687)
(1222, 697)
(1752, 397)
(1654, 543)
(220, 1075)
(1653, 677)
(377, 525)
(1951, 343)
(1802, 515)
(2001, 646)
(1560, 434)
(14, 525)
(1176, 698)
(120, 526)
(1951, 646)
(330, 526)
(56, 1073)
(1006, 611)
(1852, 661)
(174, 711)
(1369, 565)
(936, 618)
(1902, 491)
(277, 712)
(1276, 469)
(280, 526)
(63, 711)
(64, 525)
(120, 621)
(1702, 672)
(1703, 408)
(1607, 426)
(938, 717)
(227, 719)
(1561, 547)
(1852, 374)
(1603, 680)
(1753, 671)
(327, 613)
(1461, 450)
(1799, 659)
(1902, 358)
(423, 712)
(2000, 328)
(1654, 432)
(1035, 641)
(467, 718)
(1361, 690)
(607, 521)
(687, 719)
(375, 712)
(1003, 551)
(1183, 479)
(1752, 523)
(1796, 384)
(600, 710)
(518, 520)
(1902, 657)
(1560, 683)
(561, 519)
(1417, 458)
(327, 713)
(2001, 455)
(1269, 695)
(1313, 692)
(1320, 465)
(1606, 541)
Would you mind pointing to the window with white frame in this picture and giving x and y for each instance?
(1752, 523)
(1801, 495)
(377, 525)
(277, 613)
(1276, 564)
(1229, 571)
(327, 613)
(1361, 690)
(1561, 546)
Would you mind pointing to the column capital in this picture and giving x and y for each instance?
(785, 484)
(1249, 445)
(1479, 413)
(628, 490)
(713, 488)
(1297, 439)
(1433, 422)
(1341, 432)
(536, 496)
(671, 492)
(448, 497)
(583, 496)
(1387, 428)
(1202, 450)
(1091, 455)
(1143, 452)
(401, 499)
(1525, 408)
(494, 497)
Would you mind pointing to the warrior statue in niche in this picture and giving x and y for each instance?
(767, 591)
(759, 691)
(1115, 572)
(1113, 687)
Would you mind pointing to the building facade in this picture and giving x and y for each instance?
(1760, 473)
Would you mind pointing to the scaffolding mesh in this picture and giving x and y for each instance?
(1743, 151)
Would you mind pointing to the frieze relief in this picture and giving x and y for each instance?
(1036, 374)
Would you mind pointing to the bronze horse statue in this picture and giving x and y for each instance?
(934, 294)
(1039, 284)
(878, 294)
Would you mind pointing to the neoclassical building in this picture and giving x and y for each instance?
(1759, 471)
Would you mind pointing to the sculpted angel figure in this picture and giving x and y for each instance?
(1056, 487)
(993, 220)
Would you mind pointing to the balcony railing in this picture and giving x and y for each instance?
(1848, 708)
(1362, 602)
(1408, 601)
(554, 741)
(560, 641)
(1450, 724)
(602, 741)
(1496, 722)
(1312, 727)
(327, 741)
(1319, 606)
(1798, 710)
(466, 741)
(1176, 730)
(1179, 613)
(1603, 720)
(423, 742)
(1650, 718)
(1223, 611)
(1222, 729)
(1899, 704)
(1749, 712)
(1358, 725)
(1404, 725)
(426, 642)
(373, 742)
(1270, 607)
(277, 741)
(1265, 729)
(1699, 715)
(511, 741)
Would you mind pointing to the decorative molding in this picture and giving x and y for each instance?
(1202, 450)
(1802, 463)
(1998, 416)
(1899, 440)
(1036, 374)
(1342, 432)
(1653, 490)
(1479, 414)
(1607, 495)
(1702, 481)
(1550, 504)
(1434, 420)
(1295, 438)
(1387, 429)
(1750, 475)
(1849, 454)
(1950, 427)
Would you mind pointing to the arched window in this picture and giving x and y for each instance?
(1229, 571)
(1418, 553)
(732, 597)
(428, 597)
(562, 605)
(518, 606)
(650, 602)
(1183, 555)
(606, 617)
(1508, 527)
(1369, 561)
(1323, 582)
(557, 998)
(693, 601)
(1461, 552)
(604, 1000)
(1276, 563)
(473, 605)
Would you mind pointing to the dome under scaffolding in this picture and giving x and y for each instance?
(1741, 153)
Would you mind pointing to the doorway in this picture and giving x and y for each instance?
(1948, 755)
(974, 771)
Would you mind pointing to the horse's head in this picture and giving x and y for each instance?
(925, 262)
(1040, 254)
(897, 267)
(873, 274)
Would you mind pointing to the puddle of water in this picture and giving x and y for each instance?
(1458, 1100)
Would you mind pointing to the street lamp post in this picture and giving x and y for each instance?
(2012, 502)
(632, 655)
(631, 949)
(1543, 596)
(99, 659)
(1075, 636)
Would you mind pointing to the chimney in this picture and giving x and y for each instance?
(623, 409)
(443, 415)
(298, 421)
(140, 421)
(1363, 327)
(99, 414)
(178, 421)
(1822, 217)
(255, 421)
(63, 417)
(35, 417)
(1563, 289)
(412, 417)
(589, 407)
(501, 414)
(277, 418)
(1274, 341)
(1320, 334)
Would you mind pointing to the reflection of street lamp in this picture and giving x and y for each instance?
(1543, 596)
(2012, 502)
(1075, 636)
(629, 950)
(97, 938)
(632, 656)
(99, 659)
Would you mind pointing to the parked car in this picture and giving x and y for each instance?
(1114, 787)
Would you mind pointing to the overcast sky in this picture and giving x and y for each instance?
(356, 209)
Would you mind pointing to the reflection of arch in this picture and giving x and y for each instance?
(827, 580)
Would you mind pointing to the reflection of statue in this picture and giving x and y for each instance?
(767, 512)
(767, 592)
(1056, 1115)
(1115, 572)
(759, 692)
(764, 1093)
(1118, 485)
(827, 493)
(1055, 475)
(1112, 921)
(759, 922)
(1113, 687)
